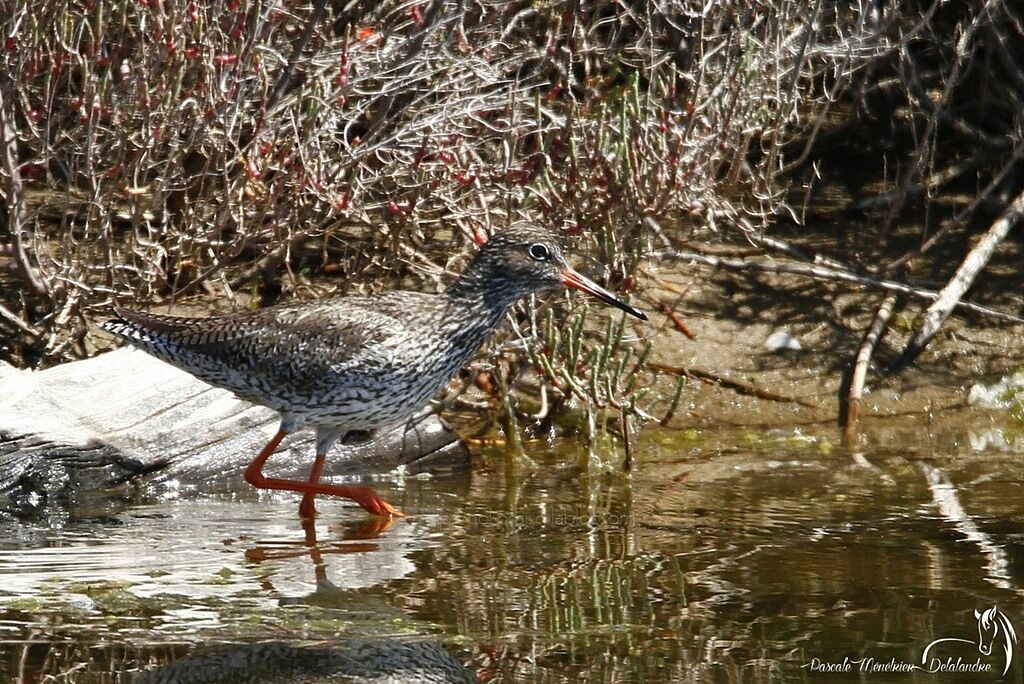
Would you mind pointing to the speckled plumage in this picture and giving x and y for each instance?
(358, 363)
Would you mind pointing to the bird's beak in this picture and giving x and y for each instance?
(577, 281)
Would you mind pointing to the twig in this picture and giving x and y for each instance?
(17, 215)
(926, 149)
(282, 80)
(18, 323)
(961, 281)
(740, 387)
(677, 320)
(627, 436)
(795, 251)
(266, 262)
(825, 273)
(851, 393)
(933, 182)
(961, 216)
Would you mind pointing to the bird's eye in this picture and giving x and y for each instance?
(539, 252)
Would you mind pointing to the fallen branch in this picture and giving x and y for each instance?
(823, 268)
(21, 325)
(961, 281)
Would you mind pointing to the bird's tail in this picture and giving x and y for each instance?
(159, 335)
(134, 326)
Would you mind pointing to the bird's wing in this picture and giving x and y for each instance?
(290, 346)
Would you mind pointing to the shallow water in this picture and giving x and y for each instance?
(738, 557)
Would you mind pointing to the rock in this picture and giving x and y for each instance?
(781, 340)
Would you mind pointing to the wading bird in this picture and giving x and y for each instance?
(351, 365)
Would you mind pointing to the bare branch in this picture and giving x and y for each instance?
(949, 297)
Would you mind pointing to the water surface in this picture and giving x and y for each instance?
(735, 557)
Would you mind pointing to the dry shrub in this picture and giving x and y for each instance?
(169, 145)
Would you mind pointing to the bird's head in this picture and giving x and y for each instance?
(524, 258)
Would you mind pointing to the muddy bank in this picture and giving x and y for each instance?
(735, 317)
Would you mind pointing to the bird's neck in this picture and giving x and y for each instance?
(483, 297)
(477, 304)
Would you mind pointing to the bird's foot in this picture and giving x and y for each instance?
(372, 501)
(366, 497)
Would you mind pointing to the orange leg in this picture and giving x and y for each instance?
(307, 508)
(364, 496)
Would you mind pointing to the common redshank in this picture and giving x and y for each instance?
(351, 365)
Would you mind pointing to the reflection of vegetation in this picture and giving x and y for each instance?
(1006, 394)
(733, 577)
(346, 660)
(733, 573)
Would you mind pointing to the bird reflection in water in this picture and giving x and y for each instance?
(368, 529)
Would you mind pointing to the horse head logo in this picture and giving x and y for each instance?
(995, 628)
